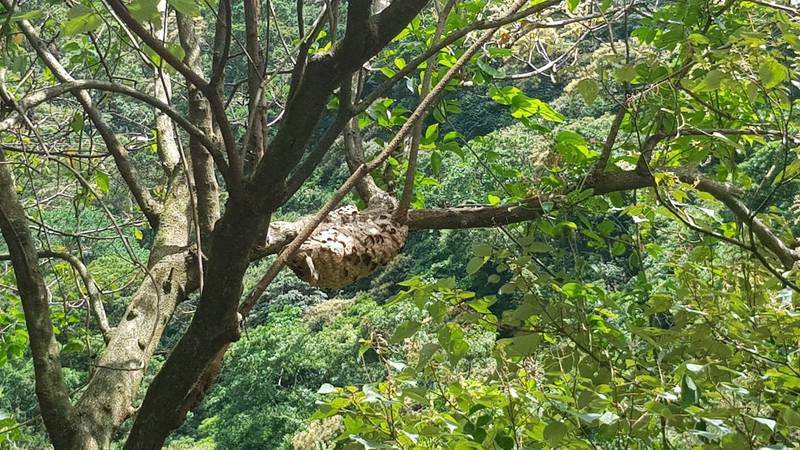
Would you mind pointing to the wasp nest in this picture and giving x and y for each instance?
(349, 246)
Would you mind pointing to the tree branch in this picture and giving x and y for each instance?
(205, 180)
(92, 291)
(416, 136)
(36, 98)
(234, 173)
(146, 203)
(51, 390)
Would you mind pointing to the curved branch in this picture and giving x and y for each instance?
(232, 172)
(149, 207)
(37, 98)
(92, 291)
(154, 43)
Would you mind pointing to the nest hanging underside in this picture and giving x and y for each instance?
(348, 246)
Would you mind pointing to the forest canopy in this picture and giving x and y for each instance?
(405, 224)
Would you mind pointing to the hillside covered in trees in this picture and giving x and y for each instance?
(399, 224)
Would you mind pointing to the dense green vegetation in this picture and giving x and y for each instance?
(609, 260)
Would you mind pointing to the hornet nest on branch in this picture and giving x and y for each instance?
(349, 245)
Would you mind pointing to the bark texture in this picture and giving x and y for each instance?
(51, 391)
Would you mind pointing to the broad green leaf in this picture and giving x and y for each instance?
(436, 162)
(626, 73)
(772, 73)
(405, 330)
(690, 392)
(145, 11)
(482, 250)
(76, 124)
(81, 19)
(555, 432)
(769, 423)
(102, 181)
(588, 89)
(711, 81)
(524, 345)
(475, 264)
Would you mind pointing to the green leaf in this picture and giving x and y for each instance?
(690, 392)
(626, 73)
(451, 338)
(711, 81)
(524, 345)
(554, 432)
(27, 15)
(387, 72)
(791, 417)
(482, 250)
(177, 50)
(475, 264)
(427, 353)
(588, 89)
(436, 162)
(431, 134)
(572, 4)
(482, 305)
(76, 124)
(145, 11)
(504, 441)
(695, 368)
(82, 19)
(186, 7)
(404, 331)
(102, 181)
(538, 247)
(772, 73)
(697, 38)
(769, 423)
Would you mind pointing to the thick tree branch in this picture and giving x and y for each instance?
(493, 216)
(608, 146)
(205, 180)
(364, 37)
(171, 274)
(51, 390)
(255, 139)
(234, 173)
